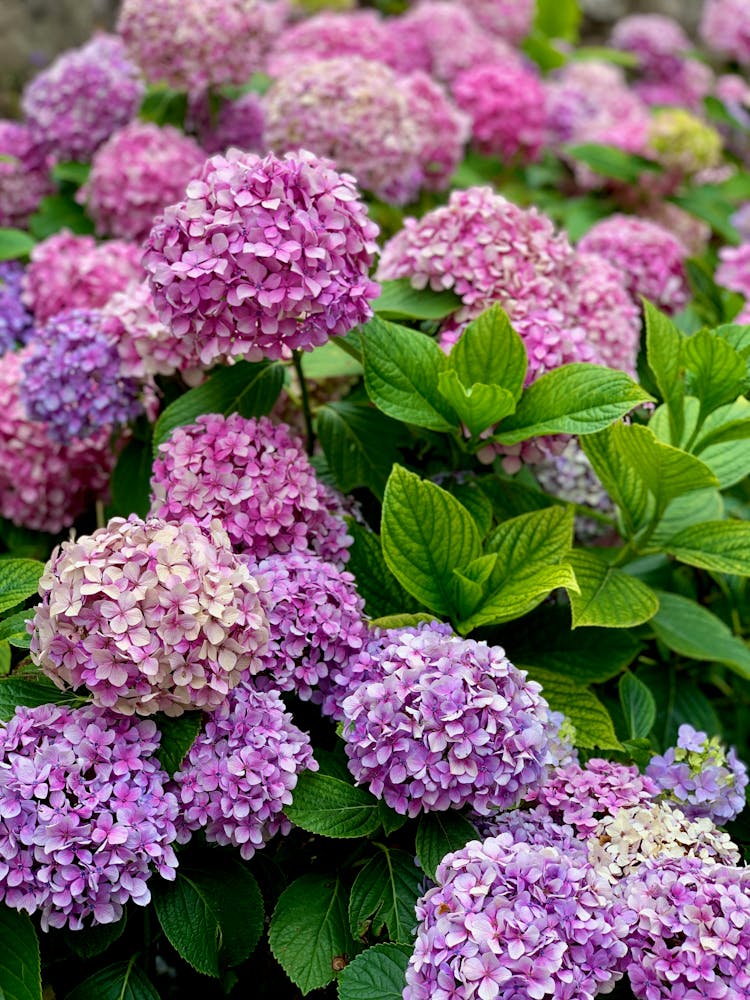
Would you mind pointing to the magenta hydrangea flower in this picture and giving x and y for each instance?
(241, 771)
(686, 86)
(651, 259)
(329, 35)
(134, 174)
(659, 42)
(514, 921)
(725, 28)
(691, 936)
(606, 310)
(195, 44)
(73, 379)
(240, 123)
(74, 272)
(264, 256)
(24, 174)
(16, 322)
(443, 129)
(701, 776)
(44, 485)
(85, 819)
(505, 102)
(79, 101)
(509, 19)
(445, 722)
(733, 271)
(149, 616)
(580, 795)
(256, 478)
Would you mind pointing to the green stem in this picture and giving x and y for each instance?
(297, 358)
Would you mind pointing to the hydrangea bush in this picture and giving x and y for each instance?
(374, 505)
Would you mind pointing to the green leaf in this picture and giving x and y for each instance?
(212, 915)
(558, 19)
(245, 388)
(638, 706)
(390, 819)
(4, 658)
(56, 212)
(664, 353)
(16, 691)
(680, 700)
(384, 894)
(691, 630)
(19, 579)
(441, 833)
(574, 399)
(20, 970)
(121, 981)
(333, 808)
(718, 373)
(478, 407)
(722, 440)
(97, 938)
(309, 933)
(401, 621)
(164, 106)
(360, 444)
(401, 375)
(15, 243)
(510, 498)
(426, 534)
(131, 479)
(689, 509)
(589, 657)
(547, 56)
(71, 172)
(382, 593)
(178, 733)
(609, 161)
(14, 625)
(705, 203)
(399, 300)
(721, 546)
(490, 352)
(475, 500)
(379, 972)
(329, 361)
(593, 723)
(608, 597)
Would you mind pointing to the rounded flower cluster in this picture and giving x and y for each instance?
(651, 259)
(85, 818)
(240, 123)
(73, 379)
(79, 101)
(256, 478)
(656, 40)
(725, 28)
(443, 130)
(315, 619)
(686, 87)
(507, 921)
(691, 231)
(531, 826)
(329, 35)
(445, 722)
(681, 142)
(139, 169)
(44, 485)
(582, 795)
(74, 272)
(195, 44)
(561, 735)
(570, 476)
(147, 347)
(505, 102)
(606, 310)
(634, 834)
(24, 174)
(149, 616)
(510, 19)
(16, 323)
(241, 772)
(733, 273)
(264, 256)
(701, 776)
(691, 938)
(354, 111)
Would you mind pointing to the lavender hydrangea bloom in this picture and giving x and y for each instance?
(532, 826)
(240, 123)
(445, 722)
(659, 42)
(570, 476)
(509, 19)
(264, 256)
(561, 734)
(241, 772)
(16, 323)
(691, 937)
(85, 818)
(24, 173)
(513, 921)
(701, 776)
(725, 28)
(73, 379)
(256, 478)
(79, 101)
(148, 616)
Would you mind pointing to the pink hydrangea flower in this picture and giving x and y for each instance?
(725, 28)
(263, 257)
(139, 169)
(147, 347)
(443, 129)
(509, 19)
(330, 35)
(149, 616)
(733, 271)
(24, 174)
(240, 123)
(659, 42)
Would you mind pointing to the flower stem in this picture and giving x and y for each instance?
(297, 358)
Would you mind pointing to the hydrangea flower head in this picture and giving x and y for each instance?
(701, 776)
(570, 476)
(149, 616)
(561, 735)
(147, 347)
(443, 130)
(445, 722)
(685, 87)
(655, 39)
(134, 174)
(606, 310)
(79, 101)
(241, 771)
(508, 19)
(514, 921)
(531, 826)
(329, 35)
(725, 28)
(24, 173)
(256, 478)
(240, 123)
(680, 141)
(264, 256)
(74, 272)
(85, 818)
(16, 322)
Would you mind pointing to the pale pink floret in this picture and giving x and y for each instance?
(329, 35)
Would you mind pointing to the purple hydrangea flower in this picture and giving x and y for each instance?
(79, 101)
(240, 123)
(659, 42)
(445, 722)
(241, 772)
(725, 28)
(24, 174)
(514, 921)
(73, 379)
(570, 476)
(263, 257)
(532, 826)
(329, 35)
(691, 937)
(149, 616)
(256, 478)
(509, 19)
(85, 819)
(701, 776)
(16, 322)
(561, 735)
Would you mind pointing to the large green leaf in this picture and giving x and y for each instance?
(490, 352)
(591, 656)
(478, 406)
(608, 597)
(16, 691)
(329, 361)
(593, 723)
(664, 353)
(15, 243)
(718, 373)
(131, 479)
(378, 972)
(610, 161)
(19, 579)
(691, 630)
(360, 444)
(638, 706)
(558, 19)
(384, 894)
(178, 733)
(377, 586)
(333, 808)
(121, 981)
(20, 972)
(399, 300)
(721, 546)
(722, 442)
(441, 833)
